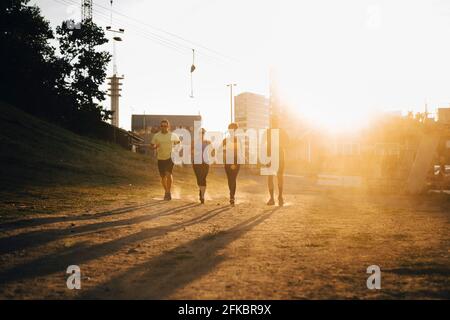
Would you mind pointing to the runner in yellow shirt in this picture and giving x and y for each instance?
(163, 141)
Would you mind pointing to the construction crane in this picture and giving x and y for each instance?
(86, 10)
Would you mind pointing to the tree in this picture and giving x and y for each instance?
(27, 61)
(63, 88)
(86, 69)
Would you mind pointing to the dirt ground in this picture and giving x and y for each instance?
(318, 246)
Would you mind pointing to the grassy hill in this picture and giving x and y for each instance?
(39, 153)
(41, 162)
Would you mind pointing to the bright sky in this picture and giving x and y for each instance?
(337, 61)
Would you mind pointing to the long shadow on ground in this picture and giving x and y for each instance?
(35, 238)
(33, 222)
(60, 260)
(163, 275)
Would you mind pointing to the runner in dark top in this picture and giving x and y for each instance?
(282, 145)
(231, 167)
(200, 169)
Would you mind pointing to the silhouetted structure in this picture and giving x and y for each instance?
(114, 93)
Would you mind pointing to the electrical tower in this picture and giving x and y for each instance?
(86, 10)
(114, 93)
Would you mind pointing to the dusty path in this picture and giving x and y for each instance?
(317, 246)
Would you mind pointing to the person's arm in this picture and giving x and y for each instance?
(175, 139)
(213, 152)
(193, 151)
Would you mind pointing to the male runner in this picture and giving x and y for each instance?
(163, 141)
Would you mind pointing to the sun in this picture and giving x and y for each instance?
(315, 104)
(320, 71)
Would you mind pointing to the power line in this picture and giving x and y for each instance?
(154, 36)
(170, 34)
(145, 35)
(138, 31)
(104, 17)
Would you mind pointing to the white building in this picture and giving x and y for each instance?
(444, 115)
(251, 111)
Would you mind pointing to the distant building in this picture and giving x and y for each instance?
(444, 115)
(141, 123)
(251, 111)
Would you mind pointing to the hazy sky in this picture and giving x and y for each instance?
(337, 61)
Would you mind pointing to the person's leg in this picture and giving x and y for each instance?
(228, 173)
(206, 172)
(201, 180)
(231, 182)
(280, 178)
(271, 201)
(169, 178)
(163, 183)
(161, 169)
(238, 167)
(203, 174)
(234, 171)
(197, 172)
(197, 177)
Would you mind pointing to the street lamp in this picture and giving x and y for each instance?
(231, 85)
(115, 38)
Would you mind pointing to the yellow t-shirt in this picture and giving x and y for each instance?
(165, 142)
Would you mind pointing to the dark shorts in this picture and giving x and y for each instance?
(165, 167)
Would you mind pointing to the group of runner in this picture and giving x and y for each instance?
(164, 140)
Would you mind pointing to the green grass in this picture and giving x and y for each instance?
(41, 162)
(36, 152)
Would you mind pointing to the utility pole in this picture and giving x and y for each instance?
(231, 85)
